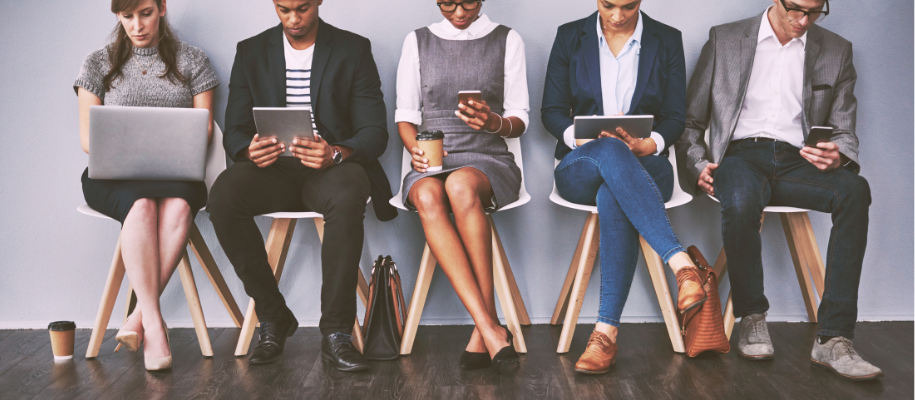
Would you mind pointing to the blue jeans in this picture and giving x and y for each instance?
(753, 175)
(629, 192)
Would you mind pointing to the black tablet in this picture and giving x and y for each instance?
(590, 127)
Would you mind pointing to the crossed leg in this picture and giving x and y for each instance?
(463, 248)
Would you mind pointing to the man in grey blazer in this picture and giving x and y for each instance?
(759, 86)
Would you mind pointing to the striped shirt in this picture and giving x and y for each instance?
(298, 78)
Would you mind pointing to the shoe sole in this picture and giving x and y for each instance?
(694, 305)
(591, 372)
(764, 357)
(328, 358)
(848, 377)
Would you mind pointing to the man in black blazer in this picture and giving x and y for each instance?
(303, 62)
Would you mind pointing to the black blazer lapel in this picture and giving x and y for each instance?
(276, 57)
(590, 51)
(323, 49)
(810, 59)
(647, 55)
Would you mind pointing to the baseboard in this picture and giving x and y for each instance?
(584, 319)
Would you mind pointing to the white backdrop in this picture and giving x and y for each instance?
(54, 261)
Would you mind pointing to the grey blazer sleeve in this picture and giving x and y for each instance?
(843, 113)
(692, 151)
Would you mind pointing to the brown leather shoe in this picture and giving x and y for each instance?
(691, 293)
(598, 357)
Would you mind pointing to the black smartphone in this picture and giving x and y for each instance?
(819, 134)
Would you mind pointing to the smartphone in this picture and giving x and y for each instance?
(465, 96)
(819, 134)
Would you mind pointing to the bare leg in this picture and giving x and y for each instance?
(468, 192)
(140, 249)
(678, 261)
(608, 330)
(430, 199)
(174, 223)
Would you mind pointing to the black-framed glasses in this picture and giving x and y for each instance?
(796, 14)
(467, 5)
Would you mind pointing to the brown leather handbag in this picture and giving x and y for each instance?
(703, 330)
(382, 330)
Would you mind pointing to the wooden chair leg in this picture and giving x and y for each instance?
(131, 301)
(358, 341)
(563, 303)
(659, 279)
(798, 247)
(417, 300)
(200, 249)
(109, 297)
(193, 302)
(277, 245)
(499, 251)
(506, 298)
(580, 285)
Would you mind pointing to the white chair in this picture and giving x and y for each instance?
(216, 163)
(506, 288)
(278, 240)
(804, 253)
(576, 284)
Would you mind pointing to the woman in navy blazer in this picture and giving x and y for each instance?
(620, 61)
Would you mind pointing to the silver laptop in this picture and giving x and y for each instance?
(284, 124)
(148, 143)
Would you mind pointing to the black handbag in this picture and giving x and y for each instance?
(382, 330)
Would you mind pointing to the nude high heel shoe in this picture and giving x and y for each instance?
(129, 339)
(159, 363)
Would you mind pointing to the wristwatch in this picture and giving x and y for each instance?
(338, 156)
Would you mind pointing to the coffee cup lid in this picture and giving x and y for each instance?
(430, 135)
(62, 326)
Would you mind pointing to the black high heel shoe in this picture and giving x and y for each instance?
(470, 361)
(506, 360)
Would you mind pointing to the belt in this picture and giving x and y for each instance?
(757, 140)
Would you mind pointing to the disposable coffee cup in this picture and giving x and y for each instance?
(432, 145)
(62, 333)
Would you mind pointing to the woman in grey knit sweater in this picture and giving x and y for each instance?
(146, 66)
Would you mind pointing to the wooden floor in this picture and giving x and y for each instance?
(646, 368)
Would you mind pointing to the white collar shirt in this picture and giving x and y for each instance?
(773, 105)
(516, 101)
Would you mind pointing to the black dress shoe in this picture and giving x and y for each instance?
(272, 340)
(338, 348)
(506, 360)
(471, 360)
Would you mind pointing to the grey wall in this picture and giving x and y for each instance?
(54, 261)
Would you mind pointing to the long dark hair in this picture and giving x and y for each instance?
(120, 51)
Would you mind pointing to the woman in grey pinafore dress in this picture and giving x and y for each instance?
(466, 51)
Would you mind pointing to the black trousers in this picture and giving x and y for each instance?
(340, 193)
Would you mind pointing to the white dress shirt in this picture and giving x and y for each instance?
(409, 83)
(773, 105)
(618, 76)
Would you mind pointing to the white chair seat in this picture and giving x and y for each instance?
(773, 209)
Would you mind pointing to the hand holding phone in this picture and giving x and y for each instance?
(466, 96)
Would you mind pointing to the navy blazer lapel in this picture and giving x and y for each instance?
(647, 54)
(276, 59)
(810, 59)
(323, 49)
(590, 50)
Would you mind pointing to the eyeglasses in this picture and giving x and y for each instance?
(796, 14)
(467, 5)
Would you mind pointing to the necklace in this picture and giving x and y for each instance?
(145, 68)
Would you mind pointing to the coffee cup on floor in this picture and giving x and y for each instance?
(432, 145)
(62, 334)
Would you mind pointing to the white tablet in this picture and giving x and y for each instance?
(284, 124)
(590, 127)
